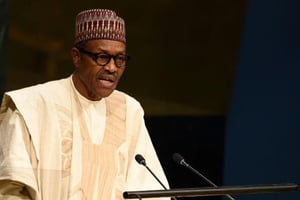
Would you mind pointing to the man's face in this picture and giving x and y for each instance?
(92, 80)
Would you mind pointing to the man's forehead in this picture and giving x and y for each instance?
(106, 45)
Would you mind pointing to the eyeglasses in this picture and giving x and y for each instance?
(103, 59)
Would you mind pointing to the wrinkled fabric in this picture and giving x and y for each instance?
(46, 153)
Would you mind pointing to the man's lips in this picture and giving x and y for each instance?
(107, 81)
(107, 78)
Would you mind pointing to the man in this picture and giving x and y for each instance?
(76, 138)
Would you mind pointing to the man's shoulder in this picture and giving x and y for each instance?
(41, 87)
(55, 89)
(130, 100)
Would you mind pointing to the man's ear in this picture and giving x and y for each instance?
(75, 54)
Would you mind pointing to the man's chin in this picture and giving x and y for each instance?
(105, 93)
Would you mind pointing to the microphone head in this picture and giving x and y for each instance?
(140, 159)
(178, 158)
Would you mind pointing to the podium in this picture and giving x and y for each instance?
(212, 191)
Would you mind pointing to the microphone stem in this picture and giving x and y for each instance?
(155, 177)
(211, 183)
(173, 198)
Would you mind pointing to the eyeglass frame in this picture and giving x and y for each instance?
(95, 57)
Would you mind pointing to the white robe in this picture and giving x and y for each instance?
(33, 139)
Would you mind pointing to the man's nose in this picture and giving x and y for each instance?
(111, 65)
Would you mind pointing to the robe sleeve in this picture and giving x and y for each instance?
(17, 177)
(138, 177)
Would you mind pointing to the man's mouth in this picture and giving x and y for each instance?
(106, 81)
(107, 78)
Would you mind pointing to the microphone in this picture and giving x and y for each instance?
(180, 160)
(141, 160)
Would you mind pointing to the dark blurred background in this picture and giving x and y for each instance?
(183, 52)
(217, 79)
